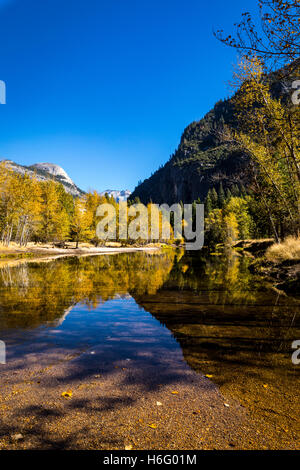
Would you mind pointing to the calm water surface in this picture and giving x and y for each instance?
(227, 322)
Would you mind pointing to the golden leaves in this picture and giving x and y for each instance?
(67, 394)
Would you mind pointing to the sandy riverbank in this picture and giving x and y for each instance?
(127, 404)
(14, 255)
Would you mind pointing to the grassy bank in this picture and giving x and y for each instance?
(279, 262)
(289, 249)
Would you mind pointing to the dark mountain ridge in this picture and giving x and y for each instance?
(205, 158)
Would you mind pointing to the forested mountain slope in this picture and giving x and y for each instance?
(205, 158)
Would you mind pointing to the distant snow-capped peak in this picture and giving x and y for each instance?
(117, 195)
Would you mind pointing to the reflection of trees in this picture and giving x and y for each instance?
(233, 326)
(225, 277)
(228, 322)
(213, 305)
(34, 293)
(201, 299)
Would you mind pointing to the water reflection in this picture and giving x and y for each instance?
(229, 324)
(237, 329)
(33, 294)
(213, 300)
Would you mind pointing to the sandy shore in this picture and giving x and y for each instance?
(14, 255)
(127, 404)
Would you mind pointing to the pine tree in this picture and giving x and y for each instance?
(208, 203)
(214, 198)
(228, 195)
(243, 191)
(235, 190)
(221, 197)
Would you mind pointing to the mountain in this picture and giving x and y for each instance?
(204, 158)
(117, 195)
(45, 171)
(53, 170)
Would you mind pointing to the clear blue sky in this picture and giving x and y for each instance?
(105, 88)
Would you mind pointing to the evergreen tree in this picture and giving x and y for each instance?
(235, 190)
(228, 195)
(243, 191)
(221, 197)
(208, 203)
(214, 199)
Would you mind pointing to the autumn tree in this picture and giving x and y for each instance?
(269, 133)
(275, 41)
(19, 204)
(28, 210)
(82, 221)
(239, 207)
(55, 222)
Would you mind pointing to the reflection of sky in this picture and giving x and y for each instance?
(119, 327)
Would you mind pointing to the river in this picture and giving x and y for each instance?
(163, 320)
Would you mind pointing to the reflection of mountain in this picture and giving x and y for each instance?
(237, 330)
(62, 319)
(215, 307)
(39, 293)
(229, 324)
(233, 327)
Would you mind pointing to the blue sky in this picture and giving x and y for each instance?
(105, 88)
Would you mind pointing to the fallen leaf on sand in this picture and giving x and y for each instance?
(265, 385)
(153, 426)
(175, 392)
(209, 376)
(67, 394)
(226, 404)
(17, 437)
